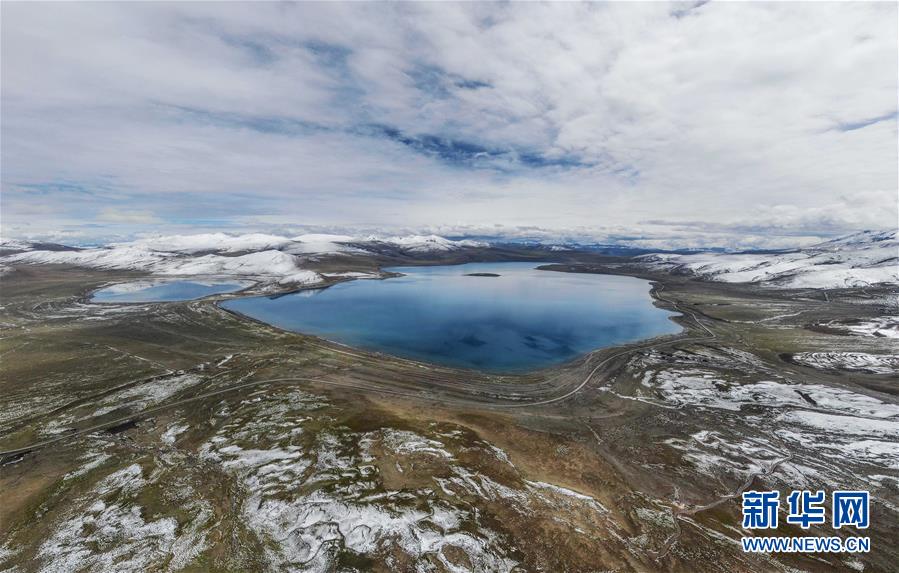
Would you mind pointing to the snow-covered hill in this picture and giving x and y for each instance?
(13, 245)
(854, 260)
(859, 259)
(208, 242)
(270, 258)
(269, 266)
(427, 243)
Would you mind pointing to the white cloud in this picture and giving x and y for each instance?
(591, 116)
(113, 215)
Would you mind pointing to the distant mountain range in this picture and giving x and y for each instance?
(858, 259)
(269, 258)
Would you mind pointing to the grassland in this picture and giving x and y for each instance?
(179, 436)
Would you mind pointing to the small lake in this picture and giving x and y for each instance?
(164, 291)
(521, 320)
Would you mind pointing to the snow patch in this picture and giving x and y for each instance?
(883, 327)
(859, 361)
(172, 432)
(112, 534)
(857, 260)
(405, 442)
(702, 388)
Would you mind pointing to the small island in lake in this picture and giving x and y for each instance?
(482, 275)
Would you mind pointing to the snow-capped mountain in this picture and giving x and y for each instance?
(208, 242)
(854, 260)
(270, 258)
(270, 265)
(859, 259)
(10, 244)
(426, 243)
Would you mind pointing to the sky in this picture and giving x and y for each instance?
(687, 124)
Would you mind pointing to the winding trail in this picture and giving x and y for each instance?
(579, 387)
(678, 512)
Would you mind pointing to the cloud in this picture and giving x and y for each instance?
(720, 118)
(113, 215)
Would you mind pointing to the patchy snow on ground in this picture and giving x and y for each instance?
(145, 394)
(843, 438)
(93, 460)
(693, 387)
(564, 493)
(882, 326)
(846, 425)
(155, 391)
(16, 407)
(856, 260)
(403, 442)
(712, 453)
(723, 357)
(107, 531)
(172, 432)
(704, 388)
(304, 504)
(313, 491)
(859, 361)
(132, 542)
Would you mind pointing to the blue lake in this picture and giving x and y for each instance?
(155, 291)
(522, 320)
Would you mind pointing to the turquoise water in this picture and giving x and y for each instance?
(522, 320)
(163, 291)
